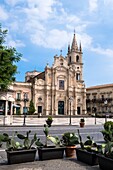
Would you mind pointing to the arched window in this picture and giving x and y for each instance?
(61, 84)
(77, 58)
(77, 76)
(70, 59)
(61, 62)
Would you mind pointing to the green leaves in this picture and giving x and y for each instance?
(8, 57)
(38, 143)
(27, 143)
(69, 139)
(13, 144)
(46, 130)
(31, 107)
(108, 131)
(54, 140)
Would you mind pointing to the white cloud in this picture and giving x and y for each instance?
(14, 26)
(52, 39)
(85, 40)
(101, 51)
(41, 20)
(17, 43)
(39, 9)
(24, 59)
(108, 2)
(3, 14)
(93, 5)
(13, 2)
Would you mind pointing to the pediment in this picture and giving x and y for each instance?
(61, 68)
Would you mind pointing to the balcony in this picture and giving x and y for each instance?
(18, 99)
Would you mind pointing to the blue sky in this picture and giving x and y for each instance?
(39, 29)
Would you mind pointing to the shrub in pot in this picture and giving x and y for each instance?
(49, 121)
(19, 152)
(87, 152)
(82, 122)
(106, 153)
(70, 140)
(108, 131)
(47, 151)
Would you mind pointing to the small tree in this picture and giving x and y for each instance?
(31, 107)
(8, 57)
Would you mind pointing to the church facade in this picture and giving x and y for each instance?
(58, 90)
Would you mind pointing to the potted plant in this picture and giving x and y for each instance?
(70, 140)
(82, 122)
(47, 151)
(49, 121)
(105, 157)
(87, 151)
(19, 152)
(108, 131)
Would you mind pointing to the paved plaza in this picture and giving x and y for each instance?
(57, 164)
(35, 121)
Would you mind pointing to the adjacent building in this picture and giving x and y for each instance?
(99, 99)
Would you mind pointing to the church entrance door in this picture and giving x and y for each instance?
(61, 107)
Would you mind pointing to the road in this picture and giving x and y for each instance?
(92, 130)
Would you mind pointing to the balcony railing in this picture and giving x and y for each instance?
(100, 100)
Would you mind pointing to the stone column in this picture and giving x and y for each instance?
(11, 117)
(5, 116)
(84, 102)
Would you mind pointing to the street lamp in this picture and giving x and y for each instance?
(95, 115)
(70, 100)
(106, 102)
(25, 109)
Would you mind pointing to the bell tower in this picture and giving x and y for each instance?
(75, 58)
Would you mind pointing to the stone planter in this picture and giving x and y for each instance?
(89, 158)
(105, 162)
(50, 153)
(49, 122)
(21, 156)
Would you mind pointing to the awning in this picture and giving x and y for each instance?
(15, 105)
(11, 99)
(2, 98)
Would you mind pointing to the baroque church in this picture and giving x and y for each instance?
(58, 90)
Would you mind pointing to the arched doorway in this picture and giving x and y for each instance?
(61, 107)
(78, 110)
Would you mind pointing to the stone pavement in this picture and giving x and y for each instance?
(35, 121)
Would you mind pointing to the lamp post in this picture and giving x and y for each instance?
(70, 100)
(106, 102)
(25, 109)
(95, 116)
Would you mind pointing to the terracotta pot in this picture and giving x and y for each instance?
(70, 151)
(82, 124)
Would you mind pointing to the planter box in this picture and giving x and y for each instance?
(21, 156)
(105, 162)
(51, 153)
(89, 158)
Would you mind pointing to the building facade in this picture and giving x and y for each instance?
(58, 90)
(99, 99)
